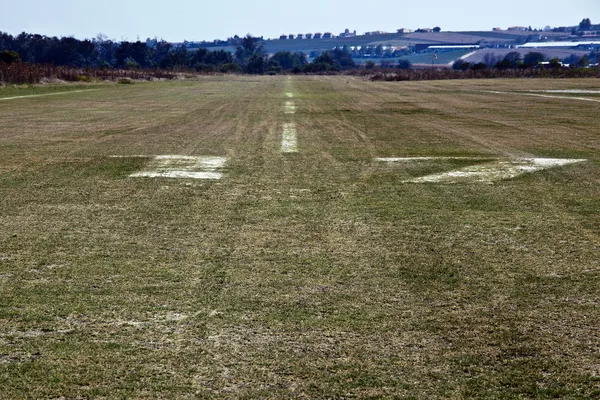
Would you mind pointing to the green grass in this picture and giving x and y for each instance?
(29, 90)
(310, 275)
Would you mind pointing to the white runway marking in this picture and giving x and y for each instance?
(178, 174)
(490, 172)
(290, 107)
(133, 156)
(410, 159)
(543, 95)
(289, 142)
(176, 166)
(574, 91)
(46, 94)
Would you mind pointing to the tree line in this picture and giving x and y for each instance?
(100, 52)
(514, 60)
(249, 57)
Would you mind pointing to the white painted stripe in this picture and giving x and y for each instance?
(494, 171)
(409, 159)
(542, 95)
(176, 157)
(204, 163)
(180, 166)
(178, 174)
(133, 156)
(46, 94)
(575, 91)
(289, 142)
(290, 107)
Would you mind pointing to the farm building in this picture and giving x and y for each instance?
(347, 34)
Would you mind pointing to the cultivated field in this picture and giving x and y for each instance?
(238, 237)
(426, 59)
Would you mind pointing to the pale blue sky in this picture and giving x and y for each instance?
(202, 20)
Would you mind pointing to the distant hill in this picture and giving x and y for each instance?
(490, 38)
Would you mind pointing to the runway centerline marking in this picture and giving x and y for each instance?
(290, 107)
(289, 140)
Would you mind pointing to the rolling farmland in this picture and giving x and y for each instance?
(300, 237)
(393, 39)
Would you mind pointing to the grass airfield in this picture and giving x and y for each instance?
(317, 272)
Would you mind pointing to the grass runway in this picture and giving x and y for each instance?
(318, 273)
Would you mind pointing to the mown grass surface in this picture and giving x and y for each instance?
(33, 90)
(317, 274)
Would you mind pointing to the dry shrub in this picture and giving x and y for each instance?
(432, 74)
(37, 73)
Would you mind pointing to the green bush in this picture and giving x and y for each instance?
(480, 66)
(274, 70)
(201, 67)
(125, 81)
(9, 57)
(461, 65)
(130, 63)
(230, 68)
(404, 64)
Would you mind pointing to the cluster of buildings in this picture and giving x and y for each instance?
(404, 30)
(529, 29)
(318, 35)
(346, 34)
